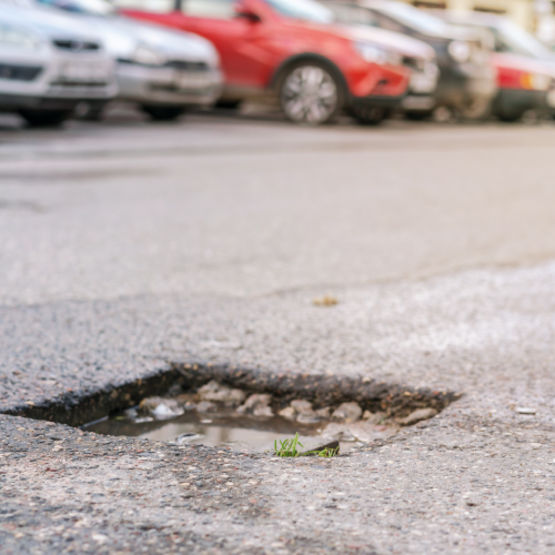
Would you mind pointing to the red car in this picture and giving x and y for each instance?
(289, 48)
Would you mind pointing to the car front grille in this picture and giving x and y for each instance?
(19, 73)
(187, 65)
(71, 45)
(416, 64)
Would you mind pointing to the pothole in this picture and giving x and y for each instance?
(248, 409)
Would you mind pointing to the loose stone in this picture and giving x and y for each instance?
(347, 412)
(418, 415)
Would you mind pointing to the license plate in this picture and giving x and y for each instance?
(83, 71)
(422, 83)
(192, 81)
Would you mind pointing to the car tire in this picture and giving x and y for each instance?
(510, 116)
(162, 113)
(45, 118)
(368, 115)
(310, 93)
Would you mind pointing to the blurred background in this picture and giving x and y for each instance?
(311, 61)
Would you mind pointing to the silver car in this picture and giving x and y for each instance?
(164, 71)
(48, 65)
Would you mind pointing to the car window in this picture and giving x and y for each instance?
(219, 9)
(350, 14)
(304, 10)
(157, 6)
(414, 18)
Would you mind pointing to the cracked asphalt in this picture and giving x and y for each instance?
(128, 246)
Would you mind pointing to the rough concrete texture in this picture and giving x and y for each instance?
(213, 250)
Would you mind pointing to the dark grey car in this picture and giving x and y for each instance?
(467, 80)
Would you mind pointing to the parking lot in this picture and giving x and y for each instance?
(249, 205)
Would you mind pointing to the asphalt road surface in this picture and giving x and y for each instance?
(128, 245)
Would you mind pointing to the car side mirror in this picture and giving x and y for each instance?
(248, 15)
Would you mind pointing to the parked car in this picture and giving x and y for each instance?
(288, 48)
(526, 68)
(416, 55)
(48, 65)
(165, 72)
(467, 81)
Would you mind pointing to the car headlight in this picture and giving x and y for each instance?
(535, 81)
(376, 54)
(460, 51)
(18, 38)
(147, 56)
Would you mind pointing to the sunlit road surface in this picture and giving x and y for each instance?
(245, 206)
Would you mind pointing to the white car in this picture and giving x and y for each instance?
(163, 71)
(48, 66)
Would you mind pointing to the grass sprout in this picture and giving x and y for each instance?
(288, 448)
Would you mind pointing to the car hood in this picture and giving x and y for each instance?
(397, 42)
(122, 35)
(45, 22)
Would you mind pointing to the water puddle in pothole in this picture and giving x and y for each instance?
(219, 415)
(241, 432)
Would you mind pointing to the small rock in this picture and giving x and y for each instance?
(324, 413)
(288, 413)
(347, 412)
(255, 401)
(218, 393)
(263, 410)
(525, 410)
(418, 415)
(301, 406)
(161, 409)
(187, 437)
(206, 406)
(374, 417)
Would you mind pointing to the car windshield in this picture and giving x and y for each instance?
(519, 41)
(96, 7)
(351, 15)
(305, 10)
(413, 17)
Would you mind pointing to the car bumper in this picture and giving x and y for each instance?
(459, 87)
(382, 101)
(167, 85)
(418, 102)
(521, 100)
(60, 81)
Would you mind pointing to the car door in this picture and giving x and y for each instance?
(240, 41)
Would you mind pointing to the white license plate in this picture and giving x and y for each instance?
(422, 83)
(192, 81)
(83, 71)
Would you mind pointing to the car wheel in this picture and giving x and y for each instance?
(510, 116)
(309, 93)
(45, 118)
(162, 113)
(368, 115)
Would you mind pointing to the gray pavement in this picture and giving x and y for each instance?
(129, 246)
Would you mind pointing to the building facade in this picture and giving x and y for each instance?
(530, 14)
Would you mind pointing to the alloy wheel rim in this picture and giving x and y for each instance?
(309, 95)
